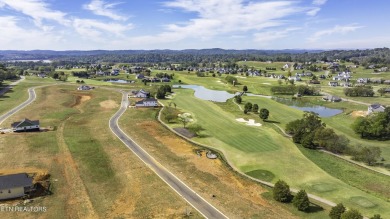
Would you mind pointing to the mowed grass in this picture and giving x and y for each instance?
(262, 148)
(236, 196)
(354, 175)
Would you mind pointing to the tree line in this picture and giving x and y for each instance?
(292, 89)
(312, 133)
(375, 126)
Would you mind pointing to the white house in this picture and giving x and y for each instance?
(25, 125)
(15, 185)
(84, 87)
(142, 94)
(149, 102)
(375, 108)
(333, 83)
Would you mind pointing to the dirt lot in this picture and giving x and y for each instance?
(359, 114)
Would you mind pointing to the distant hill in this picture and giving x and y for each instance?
(375, 56)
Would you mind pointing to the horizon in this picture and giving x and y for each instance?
(193, 24)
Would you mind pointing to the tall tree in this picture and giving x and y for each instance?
(301, 201)
(264, 113)
(337, 211)
(255, 108)
(245, 89)
(281, 192)
(352, 214)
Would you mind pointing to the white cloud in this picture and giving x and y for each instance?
(102, 8)
(268, 36)
(313, 12)
(15, 37)
(222, 18)
(335, 30)
(319, 2)
(38, 10)
(96, 30)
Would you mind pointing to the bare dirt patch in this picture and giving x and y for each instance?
(359, 113)
(185, 132)
(109, 104)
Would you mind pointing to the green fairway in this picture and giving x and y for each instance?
(262, 148)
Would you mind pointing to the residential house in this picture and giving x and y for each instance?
(84, 87)
(375, 108)
(346, 84)
(42, 75)
(115, 72)
(386, 82)
(165, 79)
(142, 94)
(314, 82)
(148, 102)
(25, 125)
(15, 185)
(333, 83)
(387, 90)
(139, 76)
(336, 78)
(362, 80)
(294, 78)
(331, 98)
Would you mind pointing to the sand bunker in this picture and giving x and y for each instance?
(359, 113)
(250, 122)
(267, 83)
(109, 104)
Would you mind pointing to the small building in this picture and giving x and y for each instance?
(376, 108)
(84, 87)
(333, 83)
(15, 185)
(142, 94)
(331, 98)
(25, 125)
(148, 102)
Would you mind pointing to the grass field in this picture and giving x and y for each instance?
(262, 148)
(236, 196)
(93, 174)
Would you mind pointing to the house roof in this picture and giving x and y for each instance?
(15, 180)
(149, 99)
(376, 106)
(143, 92)
(24, 122)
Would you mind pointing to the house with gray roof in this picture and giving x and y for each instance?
(147, 102)
(15, 185)
(375, 108)
(25, 125)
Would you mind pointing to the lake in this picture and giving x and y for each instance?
(222, 96)
(207, 94)
(117, 81)
(306, 106)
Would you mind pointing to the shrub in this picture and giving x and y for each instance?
(301, 201)
(337, 211)
(281, 192)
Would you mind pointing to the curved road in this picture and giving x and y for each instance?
(31, 98)
(205, 208)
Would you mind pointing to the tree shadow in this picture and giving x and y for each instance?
(313, 208)
(272, 121)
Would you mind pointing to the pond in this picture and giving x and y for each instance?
(207, 94)
(306, 106)
(118, 81)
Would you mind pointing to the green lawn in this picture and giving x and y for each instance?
(263, 148)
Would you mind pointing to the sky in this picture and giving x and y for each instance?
(193, 24)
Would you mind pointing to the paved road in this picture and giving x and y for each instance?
(205, 208)
(6, 89)
(31, 98)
